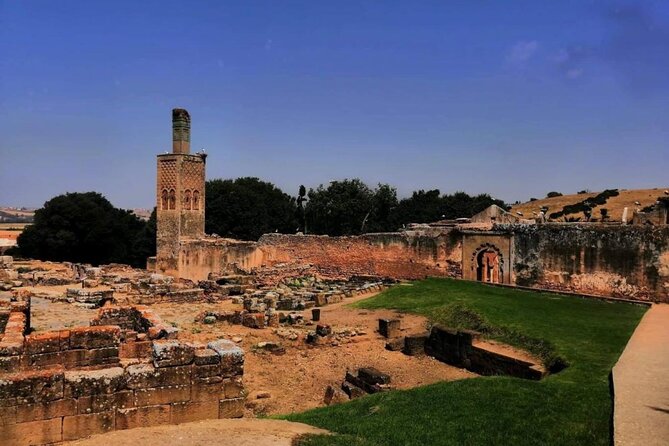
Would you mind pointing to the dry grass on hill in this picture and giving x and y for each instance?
(615, 205)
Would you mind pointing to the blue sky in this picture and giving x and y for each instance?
(514, 98)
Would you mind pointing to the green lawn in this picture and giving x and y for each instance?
(567, 408)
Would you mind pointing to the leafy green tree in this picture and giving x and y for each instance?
(429, 206)
(383, 213)
(422, 207)
(340, 209)
(144, 243)
(87, 228)
(247, 208)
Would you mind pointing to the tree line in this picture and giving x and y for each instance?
(87, 228)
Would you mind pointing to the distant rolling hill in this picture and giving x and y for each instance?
(615, 205)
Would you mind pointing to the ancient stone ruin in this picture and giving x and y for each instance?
(127, 369)
(493, 246)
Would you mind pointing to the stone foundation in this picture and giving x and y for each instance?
(126, 370)
(456, 347)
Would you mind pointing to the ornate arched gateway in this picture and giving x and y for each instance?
(488, 261)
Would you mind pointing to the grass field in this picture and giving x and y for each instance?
(568, 408)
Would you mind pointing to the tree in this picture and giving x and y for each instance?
(340, 209)
(553, 194)
(144, 243)
(429, 206)
(247, 208)
(421, 207)
(87, 228)
(382, 216)
(301, 199)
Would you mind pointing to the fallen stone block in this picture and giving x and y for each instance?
(254, 320)
(323, 330)
(334, 395)
(389, 328)
(395, 345)
(352, 390)
(365, 386)
(414, 345)
(370, 375)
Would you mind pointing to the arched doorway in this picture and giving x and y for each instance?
(489, 264)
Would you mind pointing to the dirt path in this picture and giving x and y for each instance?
(641, 383)
(242, 432)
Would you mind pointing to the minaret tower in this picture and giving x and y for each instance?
(179, 196)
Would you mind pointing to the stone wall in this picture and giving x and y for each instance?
(620, 261)
(68, 384)
(401, 255)
(458, 348)
(217, 256)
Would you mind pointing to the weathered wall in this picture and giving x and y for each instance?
(68, 384)
(397, 255)
(621, 261)
(198, 258)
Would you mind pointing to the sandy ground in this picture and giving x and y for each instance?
(641, 386)
(243, 432)
(291, 382)
(295, 380)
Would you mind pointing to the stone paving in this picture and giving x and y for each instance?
(641, 383)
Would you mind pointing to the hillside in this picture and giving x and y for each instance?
(615, 205)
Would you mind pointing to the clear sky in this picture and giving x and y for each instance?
(514, 98)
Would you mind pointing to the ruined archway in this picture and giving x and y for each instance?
(488, 262)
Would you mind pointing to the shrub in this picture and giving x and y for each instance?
(587, 204)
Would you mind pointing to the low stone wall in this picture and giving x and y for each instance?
(181, 385)
(171, 295)
(92, 298)
(456, 347)
(68, 384)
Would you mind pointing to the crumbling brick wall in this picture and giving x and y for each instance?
(396, 255)
(399, 255)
